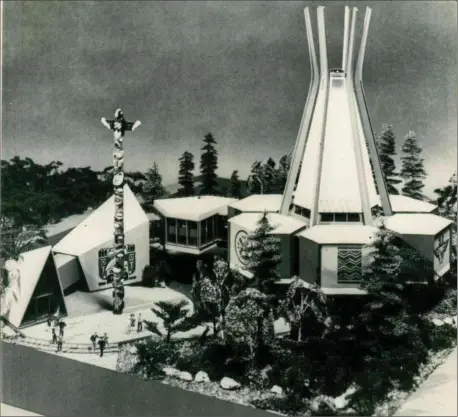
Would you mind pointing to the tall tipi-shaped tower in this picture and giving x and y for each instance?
(335, 173)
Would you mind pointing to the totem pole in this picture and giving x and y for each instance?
(119, 125)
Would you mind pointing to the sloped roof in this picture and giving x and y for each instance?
(30, 267)
(416, 223)
(97, 228)
(332, 177)
(281, 224)
(258, 203)
(338, 234)
(404, 204)
(66, 224)
(193, 208)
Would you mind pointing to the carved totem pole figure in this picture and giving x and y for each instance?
(119, 125)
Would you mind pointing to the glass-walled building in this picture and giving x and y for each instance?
(194, 224)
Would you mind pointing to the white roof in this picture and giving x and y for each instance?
(193, 208)
(416, 223)
(30, 267)
(338, 234)
(152, 217)
(338, 189)
(68, 223)
(282, 224)
(97, 228)
(61, 259)
(404, 204)
(259, 203)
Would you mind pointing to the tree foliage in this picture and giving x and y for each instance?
(386, 144)
(413, 171)
(173, 316)
(263, 255)
(282, 172)
(185, 175)
(153, 188)
(208, 166)
(236, 186)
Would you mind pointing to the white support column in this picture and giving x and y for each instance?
(345, 39)
(365, 120)
(349, 62)
(304, 128)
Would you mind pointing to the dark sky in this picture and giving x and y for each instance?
(237, 69)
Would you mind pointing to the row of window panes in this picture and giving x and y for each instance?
(339, 217)
(304, 212)
(184, 232)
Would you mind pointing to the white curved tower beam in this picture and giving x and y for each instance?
(304, 128)
(365, 120)
(351, 43)
(345, 40)
(356, 137)
(324, 85)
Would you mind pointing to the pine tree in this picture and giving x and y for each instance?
(282, 172)
(236, 187)
(208, 166)
(269, 176)
(153, 188)
(262, 251)
(412, 171)
(186, 176)
(386, 145)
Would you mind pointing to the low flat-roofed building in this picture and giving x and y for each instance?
(256, 203)
(193, 225)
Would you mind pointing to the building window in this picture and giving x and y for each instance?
(340, 217)
(327, 217)
(171, 230)
(349, 264)
(354, 217)
(301, 211)
(182, 232)
(192, 233)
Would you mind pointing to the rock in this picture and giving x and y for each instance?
(133, 350)
(171, 371)
(277, 390)
(201, 377)
(185, 376)
(438, 322)
(342, 400)
(229, 384)
(450, 320)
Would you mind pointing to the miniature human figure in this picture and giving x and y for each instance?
(60, 341)
(49, 321)
(139, 323)
(93, 339)
(132, 322)
(62, 325)
(54, 335)
(102, 343)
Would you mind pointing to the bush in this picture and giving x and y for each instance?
(149, 277)
(442, 337)
(153, 355)
(291, 404)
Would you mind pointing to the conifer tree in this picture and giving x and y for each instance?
(269, 176)
(186, 176)
(386, 145)
(263, 255)
(413, 171)
(255, 180)
(236, 187)
(208, 166)
(282, 172)
(153, 188)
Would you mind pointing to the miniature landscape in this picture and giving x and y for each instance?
(323, 283)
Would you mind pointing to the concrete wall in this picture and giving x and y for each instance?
(329, 264)
(423, 243)
(69, 272)
(309, 260)
(89, 261)
(51, 385)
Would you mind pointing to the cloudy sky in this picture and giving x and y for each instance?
(237, 69)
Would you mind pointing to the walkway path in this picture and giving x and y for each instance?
(437, 396)
(9, 410)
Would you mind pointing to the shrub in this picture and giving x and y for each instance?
(153, 355)
(291, 404)
(442, 337)
(149, 277)
(174, 317)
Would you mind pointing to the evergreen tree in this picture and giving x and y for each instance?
(208, 166)
(186, 176)
(269, 176)
(282, 172)
(235, 190)
(412, 171)
(386, 144)
(262, 251)
(153, 188)
(255, 180)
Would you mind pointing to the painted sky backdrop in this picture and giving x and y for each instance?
(237, 69)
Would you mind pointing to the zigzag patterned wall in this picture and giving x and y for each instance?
(349, 264)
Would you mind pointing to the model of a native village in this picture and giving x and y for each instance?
(309, 275)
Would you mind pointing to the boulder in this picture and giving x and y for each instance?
(229, 384)
(171, 372)
(450, 320)
(185, 376)
(277, 390)
(133, 350)
(438, 322)
(201, 377)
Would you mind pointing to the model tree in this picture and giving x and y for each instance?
(269, 174)
(413, 171)
(208, 166)
(236, 186)
(386, 145)
(153, 188)
(255, 180)
(263, 255)
(282, 172)
(186, 176)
